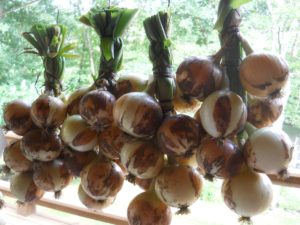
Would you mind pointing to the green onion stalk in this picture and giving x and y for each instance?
(110, 24)
(48, 42)
(157, 31)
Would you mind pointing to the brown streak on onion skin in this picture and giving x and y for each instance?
(41, 111)
(33, 193)
(84, 137)
(222, 114)
(73, 107)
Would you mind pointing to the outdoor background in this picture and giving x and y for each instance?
(269, 25)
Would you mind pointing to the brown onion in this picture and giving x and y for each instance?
(14, 158)
(102, 179)
(178, 135)
(24, 189)
(179, 186)
(184, 103)
(248, 193)
(111, 140)
(263, 74)
(51, 176)
(41, 145)
(48, 111)
(144, 184)
(146, 209)
(137, 114)
(96, 108)
(198, 77)
(91, 203)
(142, 159)
(16, 115)
(263, 112)
(78, 135)
(74, 100)
(269, 150)
(223, 113)
(129, 83)
(221, 158)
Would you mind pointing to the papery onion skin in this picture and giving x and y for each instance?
(184, 103)
(263, 74)
(142, 159)
(48, 111)
(16, 115)
(220, 158)
(78, 135)
(74, 100)
(138, 114)
(24, 189)
(102, 179)
(178, 135)
(178, 186)
(51, 176)
(198, 77)
(146, 209)
(41, 145)
(268, 150)
(223, 113)
(96, 108)
(91, 203)
(144, 184)
(129, 83)
(14, 158)
(248, 193)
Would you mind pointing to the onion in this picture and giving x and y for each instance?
(178, 135)
(111, 140)
(51, 176)
(78, 135)
(146, 209)
(137, 114)
(179, 186)
(268, 150)
(198, 77)
(41, 145)
(144, 184)
(221, 158)
(91, 203)
(75, 161)
(263, 74)
(74, 100)
(24, 189)
(184, 103)
(263, 112)
(130, 83)
(248, 193)
(102, 179)
(96, 108)
(189, 159)
(142, 159)
(223, 113)
(16, 115)
(48, 111)
(14, 158)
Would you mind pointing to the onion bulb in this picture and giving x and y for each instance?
(178, 135)
(221, 158)
(269, 150)
(198, 77)
(16, 115)
(263, 74)
(24, 189)
(14, 158)
(142, 159)
(137, 114)
(179, 186)
(78, 135)
(48, 111)
(144, 184)
(263, 112)
(223, 113)
(96, 108)
(74, 100)
(51, 176)
(184, 103)
(102, 179)
(91, 203)
(130, 83)
(41, 145)
(248, 193)
(146, 209)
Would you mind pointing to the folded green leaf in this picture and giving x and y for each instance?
(70, 56)
(123, 21)
(107, 48)
(28, 36)
(223, 12)
(67, 48)
(237, 3)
